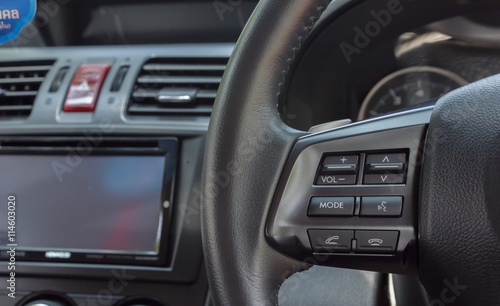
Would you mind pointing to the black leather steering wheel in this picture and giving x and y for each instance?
(260, 176)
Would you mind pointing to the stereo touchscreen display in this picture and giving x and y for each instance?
(104, 207)
(105, 204)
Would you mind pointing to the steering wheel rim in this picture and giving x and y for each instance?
(270, 41)
(247, 139)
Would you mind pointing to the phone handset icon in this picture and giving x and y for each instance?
(375, 242)
(332, 240)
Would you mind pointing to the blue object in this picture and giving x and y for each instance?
(14, 16)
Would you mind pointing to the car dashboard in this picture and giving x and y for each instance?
(103, 117)
(361, 77)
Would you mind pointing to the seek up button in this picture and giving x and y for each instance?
(331, 206)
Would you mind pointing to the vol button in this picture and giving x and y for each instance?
(336, 180)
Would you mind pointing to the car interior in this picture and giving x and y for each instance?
(245, 152)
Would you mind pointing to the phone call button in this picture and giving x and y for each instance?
(331, 241)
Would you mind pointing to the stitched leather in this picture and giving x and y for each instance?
(246, 139)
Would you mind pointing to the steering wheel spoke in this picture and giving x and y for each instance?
(348, 197)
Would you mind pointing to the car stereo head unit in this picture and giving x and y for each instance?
(80, 200)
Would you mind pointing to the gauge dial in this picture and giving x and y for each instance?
(407, 87)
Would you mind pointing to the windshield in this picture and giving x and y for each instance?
(92, 23)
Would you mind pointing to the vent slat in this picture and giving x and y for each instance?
(153, 94)
(4, 108)
(183, 67)
(206, 110)
(178, 80)
(21, 80)
(19, 85)
(200, 77)
(24, 69)
(21, 94)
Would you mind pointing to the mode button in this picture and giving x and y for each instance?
(331, 206)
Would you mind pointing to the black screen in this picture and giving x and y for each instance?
(99, 204)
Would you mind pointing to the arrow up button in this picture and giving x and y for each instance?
(385, 168)
(385, 163)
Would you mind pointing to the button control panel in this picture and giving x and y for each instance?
(378, 169)
(370, 172)
(379, 206)
(348, 198)
(358, 241)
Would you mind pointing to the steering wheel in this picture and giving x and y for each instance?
(414, 192)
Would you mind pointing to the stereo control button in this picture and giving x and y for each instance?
(336, 180)
(385, 168)
(338, 170)
(381, 206)
(331, 241)
(377, 242)
(331, 206)
(399, 158)
(341, 160)
(383, 179)
(340, 164)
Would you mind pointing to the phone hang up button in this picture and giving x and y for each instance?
(377, 242)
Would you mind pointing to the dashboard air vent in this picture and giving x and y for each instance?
(19, 85)
(176, 87)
